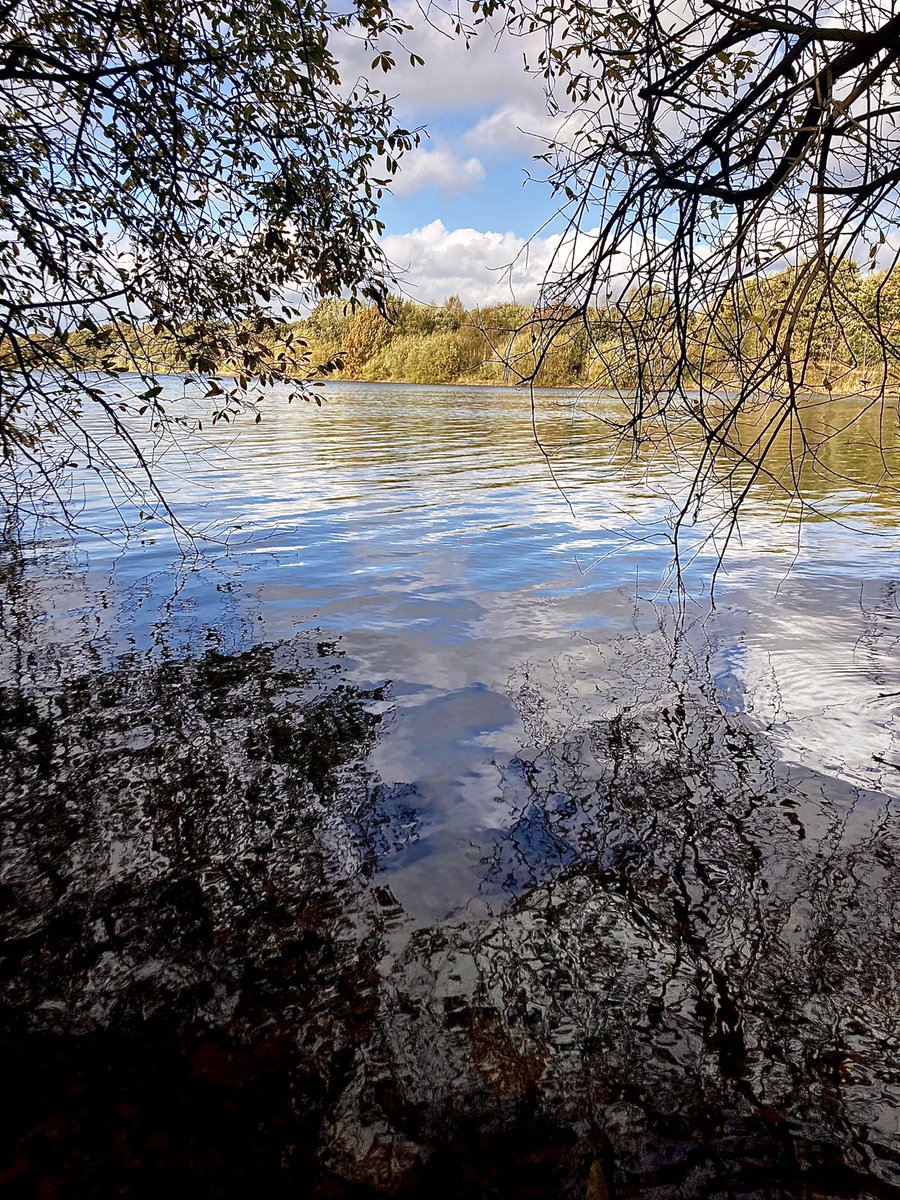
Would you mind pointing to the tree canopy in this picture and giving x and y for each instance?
(181, 169)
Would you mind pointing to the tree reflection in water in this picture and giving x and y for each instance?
(691, 989)
(709, 979)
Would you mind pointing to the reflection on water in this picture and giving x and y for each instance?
(328, 874)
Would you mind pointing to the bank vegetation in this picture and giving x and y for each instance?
(847, 339)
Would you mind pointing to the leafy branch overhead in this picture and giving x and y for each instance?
(184, 169)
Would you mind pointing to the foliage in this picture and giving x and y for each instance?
(170, 177)
(434, 359)
(632, 345)
(330, 320)
(367, 333)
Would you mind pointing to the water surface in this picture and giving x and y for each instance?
(408, 833)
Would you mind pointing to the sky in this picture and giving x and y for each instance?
(467, 201)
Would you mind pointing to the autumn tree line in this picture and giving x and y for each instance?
(845, 339)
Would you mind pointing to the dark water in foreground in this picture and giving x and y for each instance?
(415, 844)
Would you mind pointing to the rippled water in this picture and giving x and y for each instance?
(409, 833)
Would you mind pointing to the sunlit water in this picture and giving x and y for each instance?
(409, 831)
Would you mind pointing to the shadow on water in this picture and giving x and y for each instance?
(208, 985)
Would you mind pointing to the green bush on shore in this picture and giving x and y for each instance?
(628, 345)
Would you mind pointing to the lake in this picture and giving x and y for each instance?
(407, 831)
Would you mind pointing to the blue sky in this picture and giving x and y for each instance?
(462, 208)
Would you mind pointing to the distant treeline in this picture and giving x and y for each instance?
(839, 337)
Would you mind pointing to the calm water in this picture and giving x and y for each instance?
(408, 834)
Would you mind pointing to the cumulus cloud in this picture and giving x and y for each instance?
(487, 267)
(514, 128)
(439, 169)
(437, 262)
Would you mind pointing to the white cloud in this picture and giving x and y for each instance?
(439, 169)
(515, 128)
(487, 267)
(437, 262)
(455, 78)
